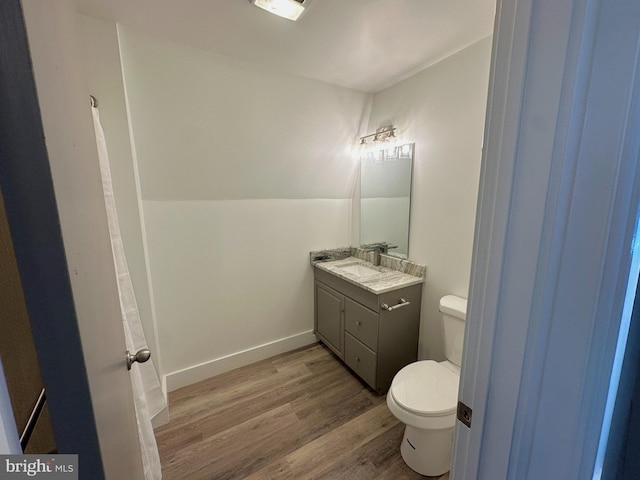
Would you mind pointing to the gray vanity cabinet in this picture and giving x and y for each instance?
(375, 342)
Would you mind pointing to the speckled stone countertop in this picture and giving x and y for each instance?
(394, 272)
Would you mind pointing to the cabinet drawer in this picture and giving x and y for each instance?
(360, 359)
(362, 323)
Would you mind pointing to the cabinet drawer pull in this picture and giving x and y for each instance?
(401, 303)
(358, 323)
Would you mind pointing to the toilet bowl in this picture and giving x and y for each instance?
(424, 396)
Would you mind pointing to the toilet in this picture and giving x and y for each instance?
(424, 396)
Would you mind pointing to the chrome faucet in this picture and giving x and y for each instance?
(377, 249)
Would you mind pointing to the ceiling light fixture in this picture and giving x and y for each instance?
(289, 9)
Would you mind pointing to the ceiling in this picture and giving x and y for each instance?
(366, 45)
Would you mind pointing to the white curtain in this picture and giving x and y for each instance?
(148, 397)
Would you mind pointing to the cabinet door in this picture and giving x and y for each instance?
(329, 319)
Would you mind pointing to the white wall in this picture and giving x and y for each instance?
(442, 110)
(243, 171)
(232, 275)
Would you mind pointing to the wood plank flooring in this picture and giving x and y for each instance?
(296, 416)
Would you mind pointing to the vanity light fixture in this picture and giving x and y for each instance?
(289, 9)
(382, 146)
(383, 134)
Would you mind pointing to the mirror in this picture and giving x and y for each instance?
(385, 197)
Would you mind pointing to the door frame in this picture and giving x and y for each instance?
(27, 187)
(557, 208)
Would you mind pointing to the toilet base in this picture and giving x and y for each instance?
(427, 452)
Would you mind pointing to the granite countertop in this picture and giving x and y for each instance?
(386, 280)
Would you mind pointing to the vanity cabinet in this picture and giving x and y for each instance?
(369, 332)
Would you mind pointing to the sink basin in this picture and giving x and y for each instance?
(359, 270)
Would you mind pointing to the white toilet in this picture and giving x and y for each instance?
(424, 396)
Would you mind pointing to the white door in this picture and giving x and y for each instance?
(556, 217)
(69, 280)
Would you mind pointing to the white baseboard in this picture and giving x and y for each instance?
(202, 371)
(160, 419)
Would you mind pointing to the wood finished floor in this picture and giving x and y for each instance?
(300, 415)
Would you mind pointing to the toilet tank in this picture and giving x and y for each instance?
(454, 311)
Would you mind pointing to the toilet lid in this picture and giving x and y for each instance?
(426, 388)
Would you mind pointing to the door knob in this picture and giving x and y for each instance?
(141, 356)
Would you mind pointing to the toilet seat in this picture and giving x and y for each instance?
(426, 388)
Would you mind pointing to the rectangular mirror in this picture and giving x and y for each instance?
(385, 197)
